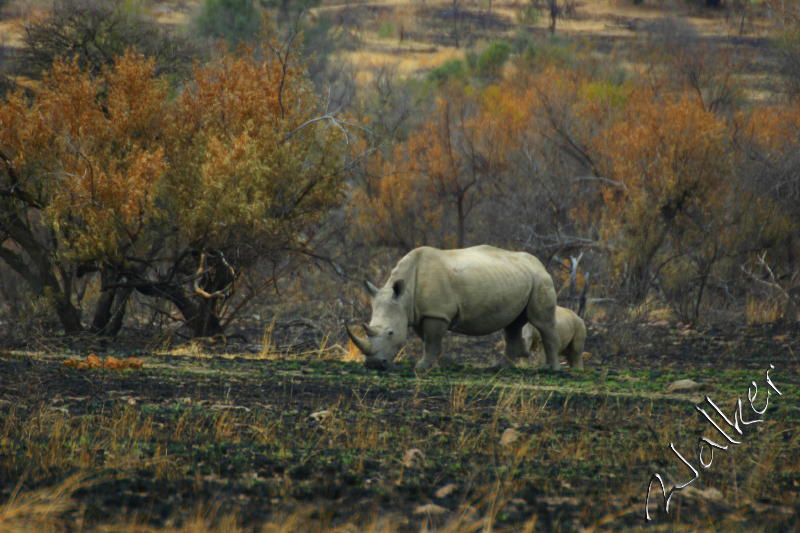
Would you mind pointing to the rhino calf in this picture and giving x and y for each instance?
(474, 291)
(571, 333)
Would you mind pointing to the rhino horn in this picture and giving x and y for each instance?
(371, 289)
(363, 345)
(371, 332)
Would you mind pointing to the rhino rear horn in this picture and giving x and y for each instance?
(361, 344)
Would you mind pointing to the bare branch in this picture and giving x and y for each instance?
(221, 293)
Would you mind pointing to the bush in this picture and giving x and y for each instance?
(492, 59)
(453, 68)
(386, 30)
(94, 32)
(233, 20)
(788, 52)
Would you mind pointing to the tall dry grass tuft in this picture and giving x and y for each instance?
(520, 405)
(40, 510)
(761, 311)
(268, 351)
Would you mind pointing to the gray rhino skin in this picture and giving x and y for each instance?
(571, 333)
(475, 291)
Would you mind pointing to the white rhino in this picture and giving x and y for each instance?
(475, 291)
(571, 333)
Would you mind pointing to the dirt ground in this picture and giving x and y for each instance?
(264, 439)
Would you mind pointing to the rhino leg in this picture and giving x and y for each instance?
(574, 356)
(433, 331)
(575, 348)
(541, 313)
(515, 343)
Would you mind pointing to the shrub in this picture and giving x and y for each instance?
(492, 59)
(453, 68)
(232, 20)
(788, 53)
(96, 31)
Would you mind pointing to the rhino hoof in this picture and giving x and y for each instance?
(376, 365)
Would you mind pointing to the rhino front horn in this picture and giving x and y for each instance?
(362, 344)
(371, 332)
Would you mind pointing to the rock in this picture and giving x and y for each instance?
(684, 385)
(430, 509)
(320, 416)
(509, 436)
(447, 490)
(413, 458)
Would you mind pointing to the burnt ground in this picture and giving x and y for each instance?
(330, 443)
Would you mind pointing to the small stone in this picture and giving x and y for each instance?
(447, 490)
(430, 509)
(413, 458)
(684, 385)
(319, 416)
(509, 436)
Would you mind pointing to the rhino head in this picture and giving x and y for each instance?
(387, 330)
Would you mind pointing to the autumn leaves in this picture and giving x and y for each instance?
(559, 158)
(125, 174)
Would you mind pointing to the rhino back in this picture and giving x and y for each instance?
(478, 290)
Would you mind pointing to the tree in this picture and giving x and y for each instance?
(173, 198)
(79, 175)
(434, 180)
(254, 168)
(680, 59)
(674, 215)
(235, 21)
(95, 32)
(554, 11)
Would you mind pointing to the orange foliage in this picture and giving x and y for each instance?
(773, 128)
(91, 163)
(434, 179)
(241, 134)
(109, 363)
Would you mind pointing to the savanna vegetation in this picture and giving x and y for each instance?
(195, 191)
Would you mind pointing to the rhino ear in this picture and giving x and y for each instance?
(398, 287)
(371, 289)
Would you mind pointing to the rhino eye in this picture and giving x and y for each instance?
(391, 333)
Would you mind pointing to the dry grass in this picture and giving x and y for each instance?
(761, 311)
(404, 60)
(568, 446)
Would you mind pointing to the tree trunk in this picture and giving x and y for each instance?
(200, 317)
(39, 272)
(110, 310)
(553, 4)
